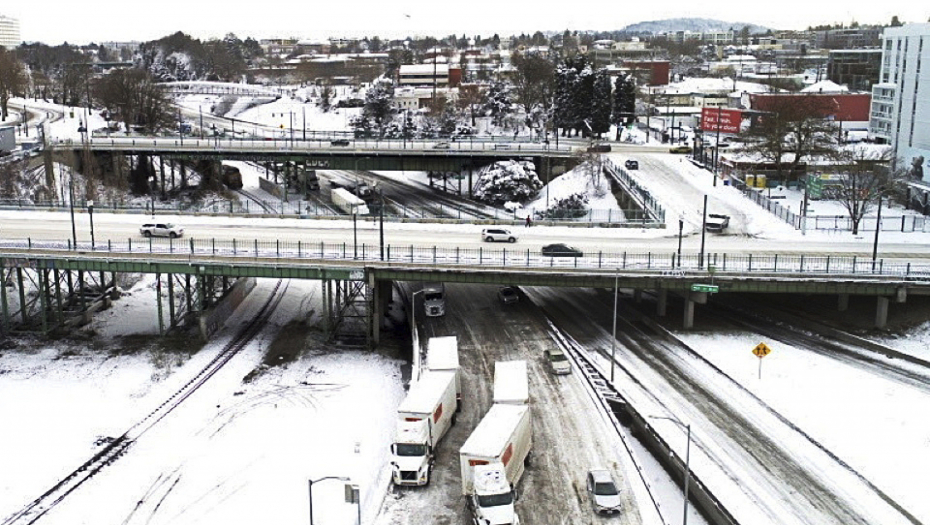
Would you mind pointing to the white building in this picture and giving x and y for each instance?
(9, 32)
(900, 112)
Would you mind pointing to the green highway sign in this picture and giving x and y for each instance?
(709, 288)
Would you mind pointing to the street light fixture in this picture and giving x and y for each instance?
(687, 476)
(310, 483)
(703, 233)
(90, 211)
(681, 226)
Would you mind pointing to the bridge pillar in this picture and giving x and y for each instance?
(662, 302)
(881, 312)
(22, 294)
(161, 171)
(637, 295)
(843, 303)
(688, 322)
(161, 310)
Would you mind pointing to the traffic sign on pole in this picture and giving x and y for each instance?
(761, 350)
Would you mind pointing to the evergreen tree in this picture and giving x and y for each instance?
(497, 104)
(624, 112)
(600, 103)
(379, 106)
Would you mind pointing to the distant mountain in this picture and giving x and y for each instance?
(690, 24)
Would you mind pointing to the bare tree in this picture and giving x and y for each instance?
(13, 80)
(134, 97)
(867, 178)
(534, 84)
(795, 127)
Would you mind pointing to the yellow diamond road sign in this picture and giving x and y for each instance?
(761, 350)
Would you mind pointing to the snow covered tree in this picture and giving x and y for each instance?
(624, 111)
(574, 95)
(13, 79)
(497, 104)
(378, 111)
(867, 179)
(600, 103)
(534, 82)
(570, 207)
(507, 181)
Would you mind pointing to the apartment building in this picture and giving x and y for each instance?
(900, 110)
(9, 32)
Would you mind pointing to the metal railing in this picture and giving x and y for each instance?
(660, 263)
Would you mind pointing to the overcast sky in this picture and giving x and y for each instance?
(56, 21)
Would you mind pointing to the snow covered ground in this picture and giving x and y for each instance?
(328, 414)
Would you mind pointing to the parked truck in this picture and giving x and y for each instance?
(7, 139)
(492, 462)
(423, 418)
(434, 299)
(511, 385)
(717, 222)
(349, 203)
(442, 354)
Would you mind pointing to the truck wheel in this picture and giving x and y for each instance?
(488, 239)
(173, 235)
(512, 240)
(146, 234)
(454, 417)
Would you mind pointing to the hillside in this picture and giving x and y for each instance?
(690, 24)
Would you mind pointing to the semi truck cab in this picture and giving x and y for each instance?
(493, 500)
(412, 454)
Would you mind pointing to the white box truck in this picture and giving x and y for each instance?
(423, 417)
(434, 299)
(442, 354)
(492, 461)
(7, 139)
(511, 385)
(349, 203)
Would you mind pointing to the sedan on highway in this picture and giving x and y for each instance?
(605, 498)
(161, 230)
(508, 295)
(561, 250)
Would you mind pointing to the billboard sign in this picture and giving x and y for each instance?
(729, 120)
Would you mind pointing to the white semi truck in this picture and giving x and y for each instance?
(423, 418)
(434, 299)
(349, 203)
(511, 385)
(492, 461)
(442, 354)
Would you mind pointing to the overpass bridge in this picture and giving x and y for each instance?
(357, 279)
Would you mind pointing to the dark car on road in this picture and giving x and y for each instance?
(631, 164)
(339, 142)
(561, 250)
(508, 295)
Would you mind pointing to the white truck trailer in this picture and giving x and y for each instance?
(511, 385)
(492, 461)
(349, 203)
(423, 418)
(442, 354)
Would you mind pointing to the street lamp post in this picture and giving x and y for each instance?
(310, 483)
(613, 338)
(90, 211)
(681, 226)
(703, 233)
(71, 203)
(878, 227)
(354, 232)
(687, 476)
(381, 220)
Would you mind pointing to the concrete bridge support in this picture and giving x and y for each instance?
(843, 302)
(881, 311)
(692, 298)
(661, 302)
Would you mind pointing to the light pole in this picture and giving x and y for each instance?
(613, 338)
(201, 122)
(90, 211)
(878, 227)
(687, 476)
(681, 226)
(310, 483)
(381, 220)
(354, 232)
(71, 202)
(703, 233)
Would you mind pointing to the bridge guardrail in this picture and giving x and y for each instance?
(310, 209)
(664, 264)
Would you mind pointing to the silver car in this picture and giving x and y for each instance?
(605, 498)
(497, 234)
(557, 361)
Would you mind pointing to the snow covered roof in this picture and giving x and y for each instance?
(421, 399)
(442, 353)
(424, 69)
(510, 382)
(490, 436)
(825, 86)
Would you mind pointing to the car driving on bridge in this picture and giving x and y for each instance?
(561, 250)
(161, 230)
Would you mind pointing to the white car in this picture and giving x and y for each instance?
(605, 498)
(161, 229)
(497, 234)
(557, 360)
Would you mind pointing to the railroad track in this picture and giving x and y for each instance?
(118, 446)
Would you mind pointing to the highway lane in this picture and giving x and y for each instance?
(119, 227)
